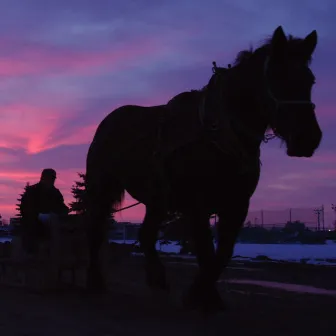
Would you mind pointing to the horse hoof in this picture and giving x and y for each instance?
(96, 289)
(159, 285)
(96, 285)
(208, 303)
(158, 295)
(206, 308)
(157, 280)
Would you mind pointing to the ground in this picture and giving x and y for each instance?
(130, 308)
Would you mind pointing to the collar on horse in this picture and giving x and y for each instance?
(215, 117)
(217, 121)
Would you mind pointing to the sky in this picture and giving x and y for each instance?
(65, 65)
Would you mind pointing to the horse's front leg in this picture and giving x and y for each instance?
(231, 220)
(203, 294)
(155, 271)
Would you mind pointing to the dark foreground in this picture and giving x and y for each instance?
(131, 309)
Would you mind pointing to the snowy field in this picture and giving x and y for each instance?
(317, 254)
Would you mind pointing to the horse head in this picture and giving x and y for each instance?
(289, 82)
(270, 88)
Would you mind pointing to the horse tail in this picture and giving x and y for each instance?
(117, 195)
(104, 194)
(101, 182)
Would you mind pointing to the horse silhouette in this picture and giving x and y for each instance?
(199, 155)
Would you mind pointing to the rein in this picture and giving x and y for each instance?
(127, 207)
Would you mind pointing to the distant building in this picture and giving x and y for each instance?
(14, 221)
(124, 231)
(4, 229)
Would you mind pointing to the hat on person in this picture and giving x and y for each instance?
(48, 172)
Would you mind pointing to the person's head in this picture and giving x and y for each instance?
(48, 177)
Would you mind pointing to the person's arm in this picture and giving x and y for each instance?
(28, 206)
(61, 207)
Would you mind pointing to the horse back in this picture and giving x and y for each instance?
(137, 130)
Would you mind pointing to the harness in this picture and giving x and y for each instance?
(233, 146)
(214, 123)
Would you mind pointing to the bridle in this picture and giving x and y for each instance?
(278, 102)
(214, 127)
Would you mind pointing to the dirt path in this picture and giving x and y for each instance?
(130, 309)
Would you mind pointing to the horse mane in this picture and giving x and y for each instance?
(245, 56)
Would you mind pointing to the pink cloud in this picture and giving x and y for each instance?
(303, 178)
(41, 59)
(82, 136)
(326, 110)
(33, 124)
(21, 176)
(8, 158)
(326, 157)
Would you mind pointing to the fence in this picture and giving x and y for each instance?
(313, 218)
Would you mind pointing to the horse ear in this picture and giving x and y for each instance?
(278, 43)
(309, 44)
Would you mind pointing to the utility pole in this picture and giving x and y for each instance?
(290, 215)
(333, 207)
(318, 212)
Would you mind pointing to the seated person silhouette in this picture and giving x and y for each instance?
(42, 207)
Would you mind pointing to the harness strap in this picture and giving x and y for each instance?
(159, 167)
(218, 127)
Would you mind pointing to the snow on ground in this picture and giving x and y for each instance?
(315, 254)
(296, 288)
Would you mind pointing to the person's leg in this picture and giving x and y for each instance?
(52, 238)
(29, 238)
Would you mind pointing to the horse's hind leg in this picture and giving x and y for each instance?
(99, 201)
(155, 271)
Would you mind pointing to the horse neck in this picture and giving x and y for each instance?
(249, 113)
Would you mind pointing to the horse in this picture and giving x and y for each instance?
(199, 155)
